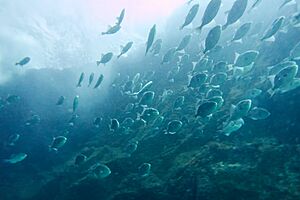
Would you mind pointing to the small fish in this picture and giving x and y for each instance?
(15, 158)
(275, 27)
(242, 31)
(218, 100)
(190, 16)
(173, 127)
(212, 38)
(286, 2)
(131, 148)
(34, 119)
(218, 78)
(197, 80)
(258, 113)
(114, 125)
(121, 17)
(169, 55)
(246, 58)
(144, 169)
(12, 98)
(58, 142)
(236, 12)
(158, 122)
(295, 52)
(80, 79)
(60, 100)
(184, 42)
(105, 58)
(127, 122)
(210, 12)
(75, 103)
(149, 114)
(125, 49)
(232, 126)
(206, 109)
(97, 122)
(100, 171)
(156, 47)
(294, 84)
(12, 139)
(253, 93)
(178, 103)
(212, 92)
(220, 67)
(295, 20)
(151, 37)
(139, 123)
(91, 78)
(72, 120)
(147, 98)
(254, 5)
(240, 110)
(99, 81)
(283, 78)
(23, 62)
(112, 30)
(276, 68)
(80, 158)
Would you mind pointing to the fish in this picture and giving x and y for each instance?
(12, 139)
(242, 31)
(240, 110)
(220, 66)
(212, 38)
(80, 79)
(246, 58)
(212, 92)
(58, 142)
(273, 70)
(144, 169)
(286, 2)
(184, 42)
(131, 148)
(100, 171)
(178, 103)
(206, 109)
(121, 17)
(91, 78)
(173, 127)
(218, 78)
(295, 52)
(232, 126)
(236, 12)
(60, 100)
(12, 98)
(253, 93)
(218, 100)
(33, 120)
(151, 37)
(114, 125)
(149, 114)
(210, 13)
(24, 61)
(255, 5)
(112, 30)
(156, 47)
(105, 58)
(147, 98)
(258, 113)
(79, 159)
(283, 78)
(125, 49)
(97, 122)
(295, 20)
(15, 158)
(294, 84)
(99, 81)
(197, 80)
(190, 16)
(75, 103)
(275, 27)
(169, 55)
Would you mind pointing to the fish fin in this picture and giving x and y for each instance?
(224, 27)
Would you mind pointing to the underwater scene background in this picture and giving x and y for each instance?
(200, 102)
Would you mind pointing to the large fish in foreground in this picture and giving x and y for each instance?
(210, 12)
(190, 16)
(236, 12)
(151, 37)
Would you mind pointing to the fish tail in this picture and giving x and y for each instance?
(17, 63)
(119, 56)
(98, 63)
(199, 29)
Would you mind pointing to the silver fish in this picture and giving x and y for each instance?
(125, 49)
(210, 12)
(212, 38)
(236, 12)
(151, 37)
(190, 16)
